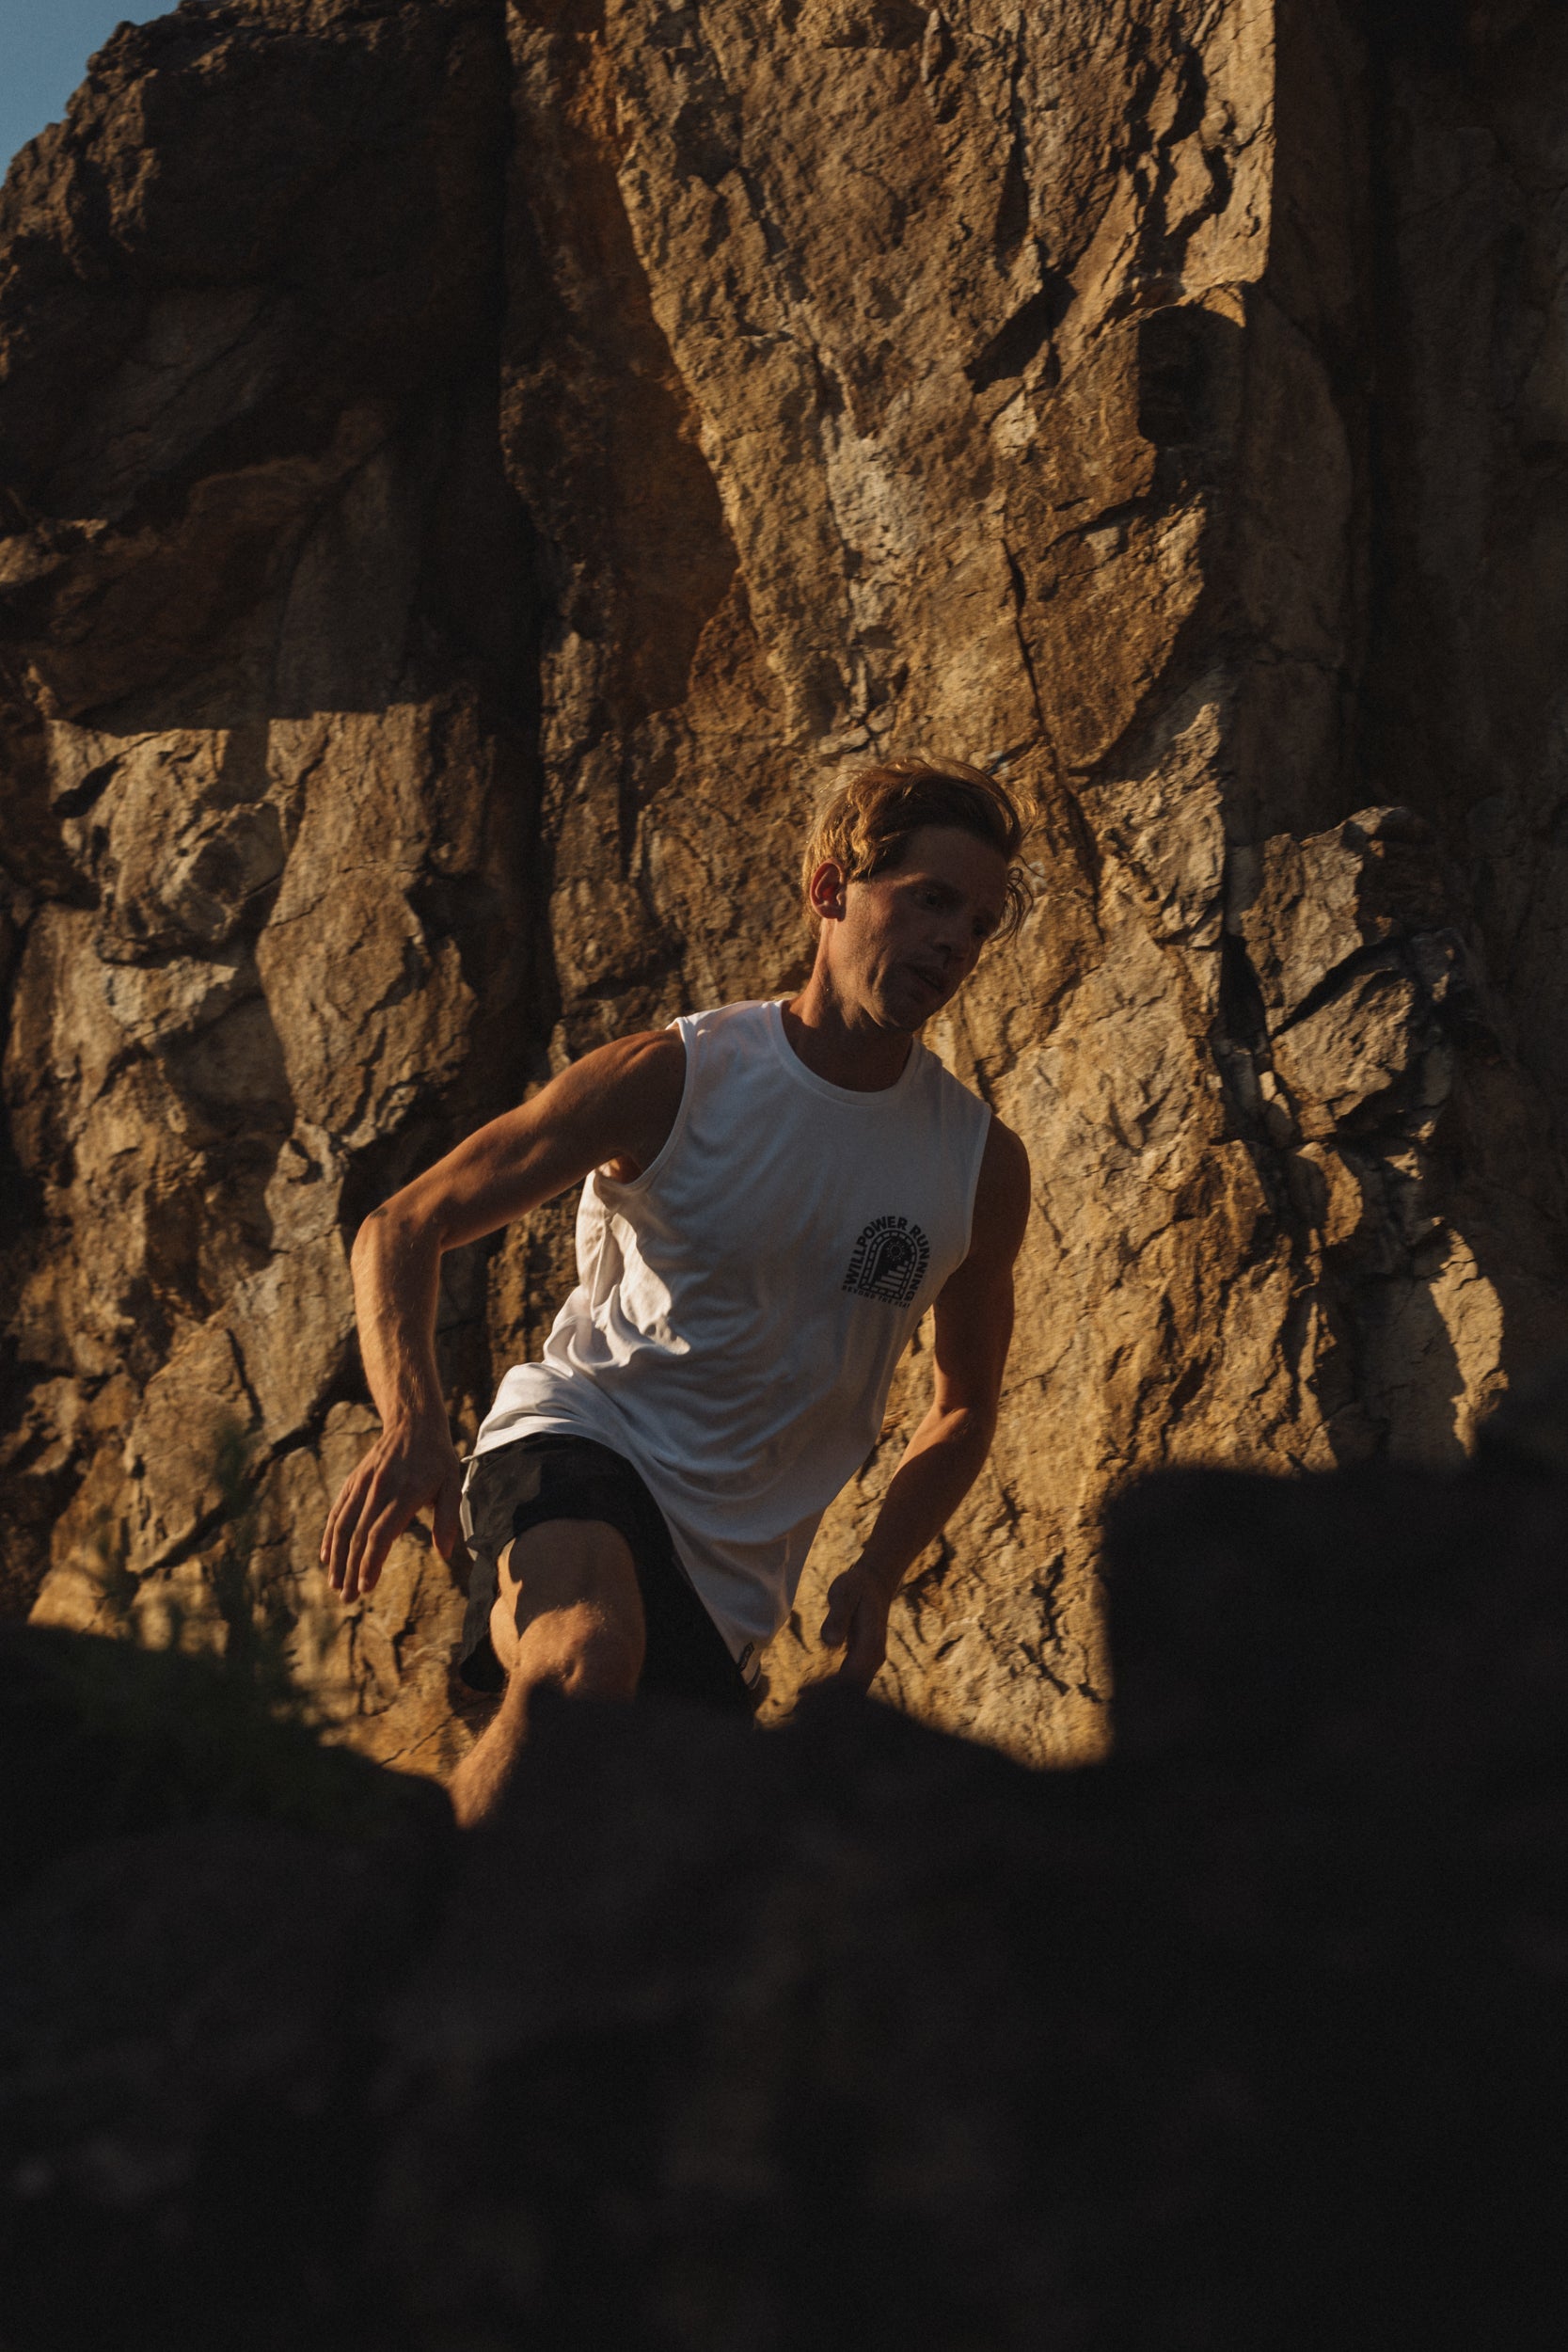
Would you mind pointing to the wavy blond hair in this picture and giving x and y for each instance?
(863, 825)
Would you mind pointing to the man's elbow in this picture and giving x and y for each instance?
(970, 1429)
(386, 1235)
(368, 1243)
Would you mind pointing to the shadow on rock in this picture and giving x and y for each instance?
(854, 2034)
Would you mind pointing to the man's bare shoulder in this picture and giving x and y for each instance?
(649, 1060)
(629, 1094)
(652, 1055)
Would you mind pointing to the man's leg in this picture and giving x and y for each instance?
(567, 1611)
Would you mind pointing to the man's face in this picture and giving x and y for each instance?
(907, 940)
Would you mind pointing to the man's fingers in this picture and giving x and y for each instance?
(345, 1518)
(347, 1548)
(334, 1520)
(376, 1495)
(864, 1658)
(363, 1563)
(394, 1522)
(356, 1576)
(349, 1519)
(335, 1541)
(858, 1624)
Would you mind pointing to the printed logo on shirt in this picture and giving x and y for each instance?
(890, 1260)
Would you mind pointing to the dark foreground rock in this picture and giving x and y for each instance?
(99, 1737)
(185, 2037)
(854, 2034)
(203, 1907)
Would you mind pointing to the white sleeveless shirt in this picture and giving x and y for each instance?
(741, 1308)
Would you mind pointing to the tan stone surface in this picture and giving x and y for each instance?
(438, 577)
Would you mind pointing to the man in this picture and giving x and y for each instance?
(772, 1197)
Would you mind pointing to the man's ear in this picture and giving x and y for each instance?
(827, 892)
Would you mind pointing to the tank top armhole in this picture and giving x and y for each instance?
(606, 1186)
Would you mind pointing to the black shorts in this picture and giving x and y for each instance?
(513, 1487)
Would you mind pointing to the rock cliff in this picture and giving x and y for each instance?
(470, 474)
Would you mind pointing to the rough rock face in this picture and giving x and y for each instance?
(451, 541)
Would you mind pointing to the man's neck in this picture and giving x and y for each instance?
(841, 1045)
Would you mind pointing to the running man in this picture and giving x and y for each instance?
(772, 1196)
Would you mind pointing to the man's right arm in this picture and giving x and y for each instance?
(616, 1105)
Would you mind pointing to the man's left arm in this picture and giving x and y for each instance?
(974, 1327)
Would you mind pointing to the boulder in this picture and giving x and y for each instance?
(853, 2031)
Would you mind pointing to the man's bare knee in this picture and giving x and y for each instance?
(609, 1667)
(565, 1587)
(581, 1650)
(583, 1653)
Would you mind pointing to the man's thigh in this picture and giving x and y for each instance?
(556, 1488)
(567, 1584)
(533, 1504)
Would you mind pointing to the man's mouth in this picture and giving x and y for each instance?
(928, 977)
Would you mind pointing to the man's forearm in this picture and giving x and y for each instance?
(411, 1467)
(396, 1268)
(945, 1457)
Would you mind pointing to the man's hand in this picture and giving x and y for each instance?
(856, 1622)
(411, 1468)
